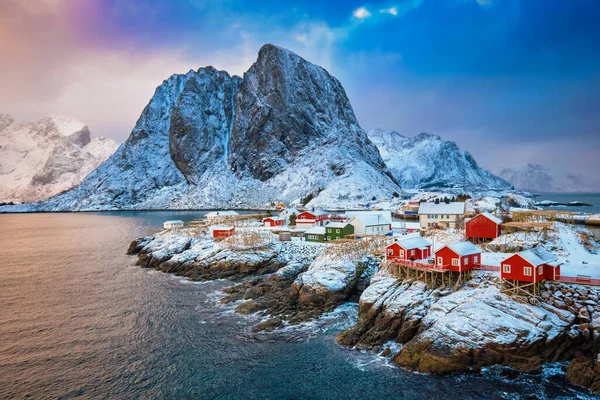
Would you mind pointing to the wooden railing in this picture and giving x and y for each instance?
(420, 266)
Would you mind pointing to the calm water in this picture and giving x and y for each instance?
(79, 320)
(588, 198)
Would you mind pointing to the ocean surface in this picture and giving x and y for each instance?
(79, 320)
(588, 198)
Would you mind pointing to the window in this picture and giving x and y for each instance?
(412, 252)
(506, 268)
(390, 252)
(328, 237)
(527, 271)
(455, 262)
(466, 260)
(329, 230)
(440, 261)
(402, 253)
(475, 259)
(337, 231)
(540, 270)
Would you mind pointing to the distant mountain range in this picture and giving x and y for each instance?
(541, 179)
(46, 157)
(428, 162)
(284, 131)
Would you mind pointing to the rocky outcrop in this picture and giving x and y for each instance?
(470, 328)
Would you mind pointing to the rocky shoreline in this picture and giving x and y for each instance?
(419, 328)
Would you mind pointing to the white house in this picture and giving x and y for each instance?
(219, 214)
(387, 214)
(175, 224)
(441, 215)
(371, 224)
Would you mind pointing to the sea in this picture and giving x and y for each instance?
(79, 320)
(588, 198)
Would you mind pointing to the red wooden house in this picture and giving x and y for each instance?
(221, 232)
(308, 219)
(458, 257)
(483, 226)
(531, 266)
(415, 248)
(273, 221)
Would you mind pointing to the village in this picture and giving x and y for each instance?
(438, 242)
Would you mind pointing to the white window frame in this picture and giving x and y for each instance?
(440, 261)
(412, 252)
(390, 252)
(466, 260)
(337, 231)
(541, 270)
(456, 262)
(506, 268)
(527, 271)
(475, 259)
(402, 253)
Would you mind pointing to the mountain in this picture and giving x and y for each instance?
(210, 140)
(428, 162)
(541, 179)
(46, 157)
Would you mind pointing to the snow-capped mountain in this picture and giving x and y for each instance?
(426, 161)
(46, 157)
(541, 179)
(208, 140)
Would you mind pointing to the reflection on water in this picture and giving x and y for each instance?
(78, 319)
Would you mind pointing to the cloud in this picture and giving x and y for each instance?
(361, 13)
(391, 11)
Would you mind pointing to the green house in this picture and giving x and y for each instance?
(338, 230)
(315, 234)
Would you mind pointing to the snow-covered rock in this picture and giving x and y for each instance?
(46, 157)
(427, 161)
(542, 179)
(211, 140)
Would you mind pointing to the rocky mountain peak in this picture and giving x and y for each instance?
(5, 121)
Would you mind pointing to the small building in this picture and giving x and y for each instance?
(312, 218)
(285, 236)
(402, 227)
(219, 214)
(221, 232)
(315, 234)
(483, 226)
(175, 224)
(338, 230)
(441, 215)
(371, 224)
(274, 221)
(458, 257)
(530, 266)
(415, 248)
(387, 214)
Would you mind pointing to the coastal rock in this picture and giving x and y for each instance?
(583, 371)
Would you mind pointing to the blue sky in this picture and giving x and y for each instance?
(511, 81)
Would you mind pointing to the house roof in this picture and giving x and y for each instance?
(387, 214)
(275, 218)
(316, 213)
(490, 217)
(337, 225)
(455, 208)
(537, 256)
(371, 220)
(413, 243)
(222, 228)
(175, 221)
(317, 230)
(463, 248)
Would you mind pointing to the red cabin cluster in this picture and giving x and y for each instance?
(483, 226)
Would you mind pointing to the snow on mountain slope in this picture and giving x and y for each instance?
(208, 140)
(45, 157)
(541, 179)
(427, 161)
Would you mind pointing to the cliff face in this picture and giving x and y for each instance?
(208, 139)
(45, 157)
(427, 161)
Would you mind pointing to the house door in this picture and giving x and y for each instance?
(402, 254)
(440, 261)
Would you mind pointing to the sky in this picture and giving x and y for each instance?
(511, 81)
